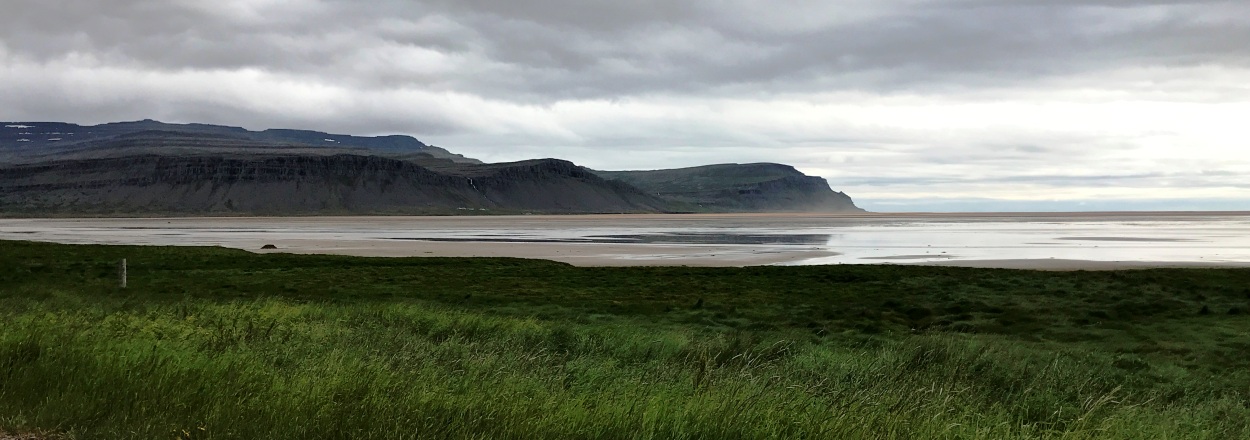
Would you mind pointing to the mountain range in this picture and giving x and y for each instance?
(154, 168)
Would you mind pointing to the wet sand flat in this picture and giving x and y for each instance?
(579, 254)
(1056, 241)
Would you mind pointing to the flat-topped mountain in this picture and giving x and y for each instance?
(24, 142)
(285, 185)
(751, 187)
(153, 168)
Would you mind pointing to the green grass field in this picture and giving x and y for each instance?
(210, 343)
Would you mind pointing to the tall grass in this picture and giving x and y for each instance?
(80, 357)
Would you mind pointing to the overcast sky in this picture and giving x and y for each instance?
(904, 105)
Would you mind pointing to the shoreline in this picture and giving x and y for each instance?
(577, 254)
(673, 255)
(848, 214)
(1081, 241)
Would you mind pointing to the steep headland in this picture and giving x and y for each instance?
(152, 168)
(739, 188)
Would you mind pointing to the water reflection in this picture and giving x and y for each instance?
(1172, 241)
(692, 238)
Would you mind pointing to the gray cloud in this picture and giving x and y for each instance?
(541, 51)
(963, 93)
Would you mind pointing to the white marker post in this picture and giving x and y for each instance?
(122, 271)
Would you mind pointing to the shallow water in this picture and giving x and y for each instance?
(1192, 240)
(1155, 237)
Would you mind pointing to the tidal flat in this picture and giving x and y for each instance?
(1062, 241)
(216, 343)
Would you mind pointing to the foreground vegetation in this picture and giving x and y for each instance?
(210, 343)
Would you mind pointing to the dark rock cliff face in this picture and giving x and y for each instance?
(153, 168)
(759, 187)
(792, 194)
(307, 185)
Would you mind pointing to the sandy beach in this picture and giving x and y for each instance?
(1048, 241)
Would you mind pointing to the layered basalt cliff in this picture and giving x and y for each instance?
(153, 168)
(294, 185)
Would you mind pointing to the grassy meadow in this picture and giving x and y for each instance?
(211, 343)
